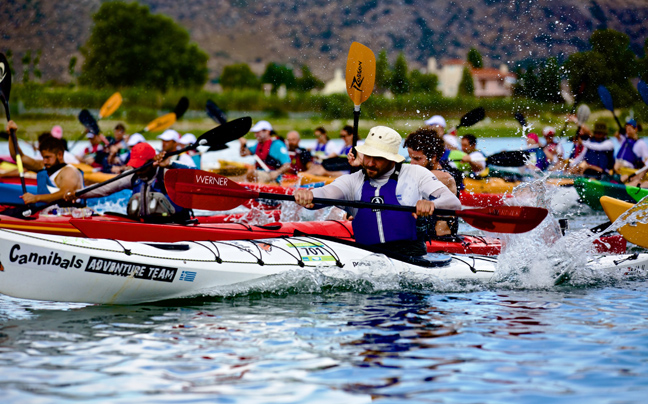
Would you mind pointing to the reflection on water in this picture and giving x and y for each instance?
(487, 346)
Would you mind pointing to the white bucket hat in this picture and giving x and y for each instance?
(382, 142)
(188, 138)
(134, 139)
(436, 120)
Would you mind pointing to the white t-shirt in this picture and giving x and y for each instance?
(451, 141)
(414, 183)
(640, 149)
(186, 160)
(478, 158)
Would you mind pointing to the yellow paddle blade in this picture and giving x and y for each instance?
(161, 123)
(360, 73)
(637, 232)
(110, 105)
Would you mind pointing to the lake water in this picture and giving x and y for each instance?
(305, 339)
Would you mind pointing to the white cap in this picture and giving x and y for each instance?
(436, 120)
(169, 134)
(188, 138)
(134, 139)
(382, 142)
(261, 125)
(90, 135)
(549, 129)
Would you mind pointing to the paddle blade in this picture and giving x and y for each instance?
(87, 120)
(360, 73)
(217, 138)
(161, 123)
(110, 106)
(215, 113)
(583, 114)
(504, 219)
(5, 78)
(197, 189)
(606, 98)
(514, 158)
(472, 117)
(336, 164)
(181, 107)
(520, 118)
(642, 87)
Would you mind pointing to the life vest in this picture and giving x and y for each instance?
(539, 158)
(453, 158)
(374, 226)
(46, 183)
(150, 201)
(297, 163)
(626, 153)
(345, 152)
(263, 151)
(600, 158)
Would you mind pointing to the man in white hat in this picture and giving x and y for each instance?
(438, 123)
(270, 154)
(170, 142)
(384, 179)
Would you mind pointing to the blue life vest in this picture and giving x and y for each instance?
(600, 158)
(626, 153)
(346, 150)
(374, 226)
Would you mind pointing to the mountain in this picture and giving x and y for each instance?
(319, 32)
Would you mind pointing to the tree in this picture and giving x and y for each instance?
(277, 75)
(466, 85)
(399, 81)
(26, 61)
(475, 58)
(643, 63)
(308, 81)
(541, 85)
(129, 46)
(383, 72)
(423, 83)
(238, 76)
(610, 63)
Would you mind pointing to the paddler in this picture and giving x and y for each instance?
(54, 177)
(384, 179)
(171, 142)
(597, 156)
(633, 152)
(300, 158)
(149, 200)
(271, 154)
(425, 149)
(476, 158)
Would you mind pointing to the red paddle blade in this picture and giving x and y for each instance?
(197, 189)
(504, 219)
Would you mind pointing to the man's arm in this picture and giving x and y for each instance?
(606, 145)
(28, 162)
(68, 180)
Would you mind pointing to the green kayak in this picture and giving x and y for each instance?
(591, 191)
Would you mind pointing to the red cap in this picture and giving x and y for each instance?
(141, 154)
(533, 136)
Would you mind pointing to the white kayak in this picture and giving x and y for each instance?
(70, 269)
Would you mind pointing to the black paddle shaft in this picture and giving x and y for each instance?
(355, 204)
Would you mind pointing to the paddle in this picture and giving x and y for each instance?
(520, 118)
(606, 99)
(215, 113)
(108, 108)
(197, 189)
(360, 79)
(5, 91)
(472, 117)
(511, 158)
(236, 128)
(642, 87)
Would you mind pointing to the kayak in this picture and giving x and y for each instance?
(11, 190)
(591, 191)
(69, 269)
(634, 231)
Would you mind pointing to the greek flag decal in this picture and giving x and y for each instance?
(188, 276)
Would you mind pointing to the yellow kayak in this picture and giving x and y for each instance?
(636, 232)
(630, 171)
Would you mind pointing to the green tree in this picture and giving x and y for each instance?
(308, 81)
(610, 63)
(540, 83)
(399, 81)
(239, 76)
(72, 66)
(383, 72)
(277, 75)
(643, 63)
(466, 85)
(26, 61)
(423, 83)
(475, 58)
(129, 46)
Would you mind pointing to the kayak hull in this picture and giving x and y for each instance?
(69, 269)
(590, 192)
(635, 231)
